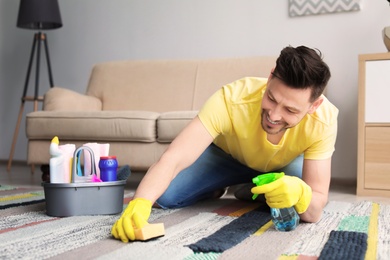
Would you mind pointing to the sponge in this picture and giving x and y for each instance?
(150, 231)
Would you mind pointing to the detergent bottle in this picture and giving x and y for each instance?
(56, 161)
(108, 166)
(60, 161)
(285, 219)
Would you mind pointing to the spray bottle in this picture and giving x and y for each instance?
(285, 219)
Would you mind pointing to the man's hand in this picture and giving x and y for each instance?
(135, 216)
(286, 192)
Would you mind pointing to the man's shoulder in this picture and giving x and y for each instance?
(245, 90)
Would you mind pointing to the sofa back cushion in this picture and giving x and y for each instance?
(213, 74)
(143, 85)
(172, 85)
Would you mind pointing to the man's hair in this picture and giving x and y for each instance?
(302, 68)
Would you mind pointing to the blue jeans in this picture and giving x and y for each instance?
(213, 170)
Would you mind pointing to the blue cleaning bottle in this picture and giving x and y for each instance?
(285, 219)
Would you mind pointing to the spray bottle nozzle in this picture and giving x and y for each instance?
(265, 179)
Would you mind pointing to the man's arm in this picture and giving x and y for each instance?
(181, 153)
(316, 174)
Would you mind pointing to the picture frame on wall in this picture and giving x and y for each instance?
(316, 7)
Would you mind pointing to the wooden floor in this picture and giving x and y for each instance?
(21, 175)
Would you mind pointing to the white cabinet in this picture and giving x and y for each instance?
(374, 125)
(377, 89)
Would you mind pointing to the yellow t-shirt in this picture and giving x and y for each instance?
(232, 115)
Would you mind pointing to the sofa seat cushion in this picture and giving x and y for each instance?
(102, 126)
(170, 124)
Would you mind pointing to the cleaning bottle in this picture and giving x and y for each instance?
(56, 162)
(108, 166)
(285, 219)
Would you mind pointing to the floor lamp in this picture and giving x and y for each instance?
(35, 15)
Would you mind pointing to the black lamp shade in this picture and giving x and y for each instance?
(39, 15)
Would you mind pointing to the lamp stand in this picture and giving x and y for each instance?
(38, 39)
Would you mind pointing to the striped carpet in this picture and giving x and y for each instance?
(218, 229)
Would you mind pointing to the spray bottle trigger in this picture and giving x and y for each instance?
(265, 179)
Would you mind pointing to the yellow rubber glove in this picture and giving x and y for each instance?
(286, 192)
(135, 216)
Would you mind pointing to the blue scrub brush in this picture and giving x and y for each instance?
(123, 173)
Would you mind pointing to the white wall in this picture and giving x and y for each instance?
(101, 30)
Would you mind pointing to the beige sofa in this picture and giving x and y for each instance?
(136, 106)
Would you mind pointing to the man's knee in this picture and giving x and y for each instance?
(168, 202)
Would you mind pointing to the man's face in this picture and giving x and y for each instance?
(284, 107)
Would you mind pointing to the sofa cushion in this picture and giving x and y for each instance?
(104, 126)
(170, 124)
(213, 74)
(159, 86)
(58, 98)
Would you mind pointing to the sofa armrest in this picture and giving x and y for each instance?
(61, 99)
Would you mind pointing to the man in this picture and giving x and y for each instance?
(247, 128)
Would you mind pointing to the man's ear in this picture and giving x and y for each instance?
(315, 105)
